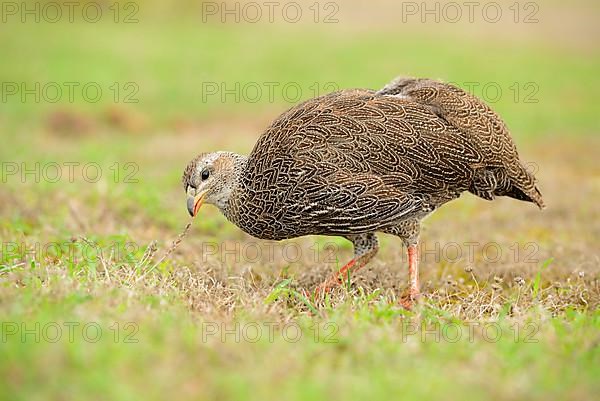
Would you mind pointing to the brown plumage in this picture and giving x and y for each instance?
(355, 162)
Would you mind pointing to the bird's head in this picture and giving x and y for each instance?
(210, 178)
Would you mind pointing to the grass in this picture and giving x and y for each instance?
(77, 253)
(201, 338)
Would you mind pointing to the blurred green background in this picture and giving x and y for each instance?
(172, 51)
(179, 78)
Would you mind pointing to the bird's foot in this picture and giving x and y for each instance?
(335, 280)
(408, 301)
(325, 287)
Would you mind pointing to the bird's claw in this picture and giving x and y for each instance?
(324, 288)
(408, 301)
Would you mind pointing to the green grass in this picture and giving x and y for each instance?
(365, 347)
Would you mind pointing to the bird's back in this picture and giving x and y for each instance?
(503, 172)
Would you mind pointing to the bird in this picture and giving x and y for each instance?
(357, 162)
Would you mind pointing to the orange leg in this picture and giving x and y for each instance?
(341, 276)
(407, 301)
(335, 279)
(365, 248)
(344, 271)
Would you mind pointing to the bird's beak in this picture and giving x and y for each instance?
(194, 203)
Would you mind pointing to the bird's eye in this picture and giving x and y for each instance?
(205, 175)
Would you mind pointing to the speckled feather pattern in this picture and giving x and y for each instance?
(355, 162)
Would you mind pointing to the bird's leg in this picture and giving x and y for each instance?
(342, 275)
(409, 231)
(413, 271)
(365, 247)
(413, 277)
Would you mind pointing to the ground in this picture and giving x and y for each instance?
(98, 303)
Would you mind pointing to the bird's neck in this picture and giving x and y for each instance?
(226, 202)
